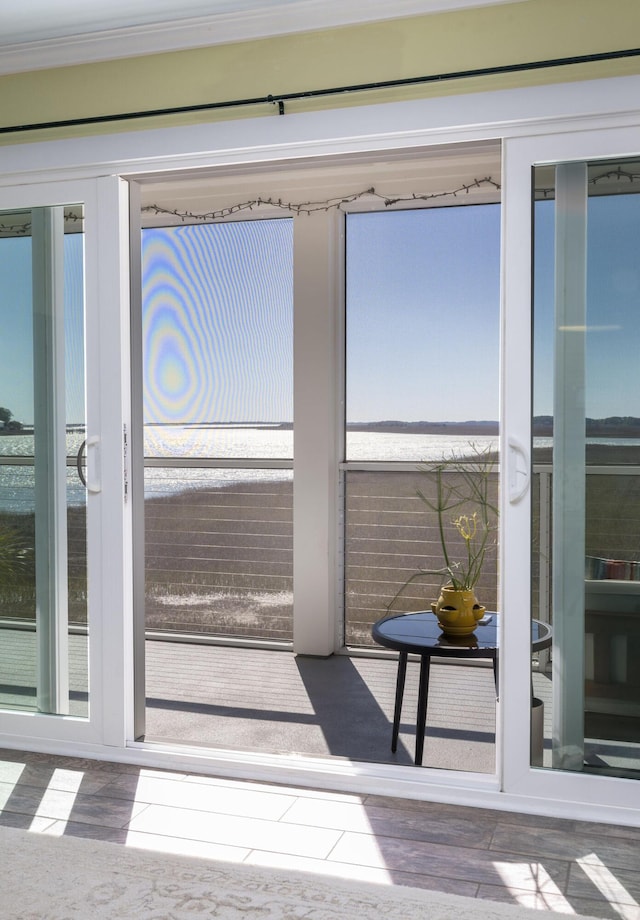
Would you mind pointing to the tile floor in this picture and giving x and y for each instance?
(540, 862)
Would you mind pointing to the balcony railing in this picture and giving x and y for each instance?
(219, 545)
(219, 552)
(389, 533)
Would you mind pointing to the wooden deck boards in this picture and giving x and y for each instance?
(240, 698)
(271, 701)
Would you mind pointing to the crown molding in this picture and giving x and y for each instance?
(215, 29)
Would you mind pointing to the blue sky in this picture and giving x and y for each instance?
(16, 368)
(218, 322)
(412, 279)
(415, 281)
(613, 307)
(422, 306)
(16, 322)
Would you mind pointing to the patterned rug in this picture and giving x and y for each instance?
(62, 878)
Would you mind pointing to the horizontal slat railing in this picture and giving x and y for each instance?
(390, 533)
(219, 544)
(219, 553)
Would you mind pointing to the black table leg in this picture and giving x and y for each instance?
(495, 673)
(397, 712)
(423, 691)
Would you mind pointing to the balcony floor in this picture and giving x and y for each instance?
(274, 701)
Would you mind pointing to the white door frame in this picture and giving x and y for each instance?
(108, 528)
(533, 114)
(519, 156)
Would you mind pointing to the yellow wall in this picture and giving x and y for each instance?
(482, 37)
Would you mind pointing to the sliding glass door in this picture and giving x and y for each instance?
(57, 453)
(43, 469)
(580, 460)
(587, 379)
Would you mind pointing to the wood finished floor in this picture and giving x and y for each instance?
(540, 862)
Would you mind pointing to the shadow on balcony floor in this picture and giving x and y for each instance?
(277, 702)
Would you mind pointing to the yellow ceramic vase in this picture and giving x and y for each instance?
(458, 612)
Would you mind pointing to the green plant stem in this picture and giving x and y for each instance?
(469, 489)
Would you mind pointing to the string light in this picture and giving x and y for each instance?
(305, 207)
(24, 229)
(617, 173)
(311, 207)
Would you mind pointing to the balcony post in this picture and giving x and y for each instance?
(318, 295)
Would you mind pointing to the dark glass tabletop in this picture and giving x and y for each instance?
(421, 633)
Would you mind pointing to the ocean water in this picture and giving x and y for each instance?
(242, 442)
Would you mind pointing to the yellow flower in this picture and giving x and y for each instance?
(467, 526)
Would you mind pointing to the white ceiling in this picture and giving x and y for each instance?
(48, 33)
(37, 20)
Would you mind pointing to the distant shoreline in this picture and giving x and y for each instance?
(614, 427)
(479, 428)
(542, 427)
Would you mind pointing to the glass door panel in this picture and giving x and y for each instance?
(414, 280)
(217, 332)
(422, 285)
(586, 456)
(43, 547)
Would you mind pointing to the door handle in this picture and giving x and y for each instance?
(94, 479)
(518, 470)
(79, 462)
